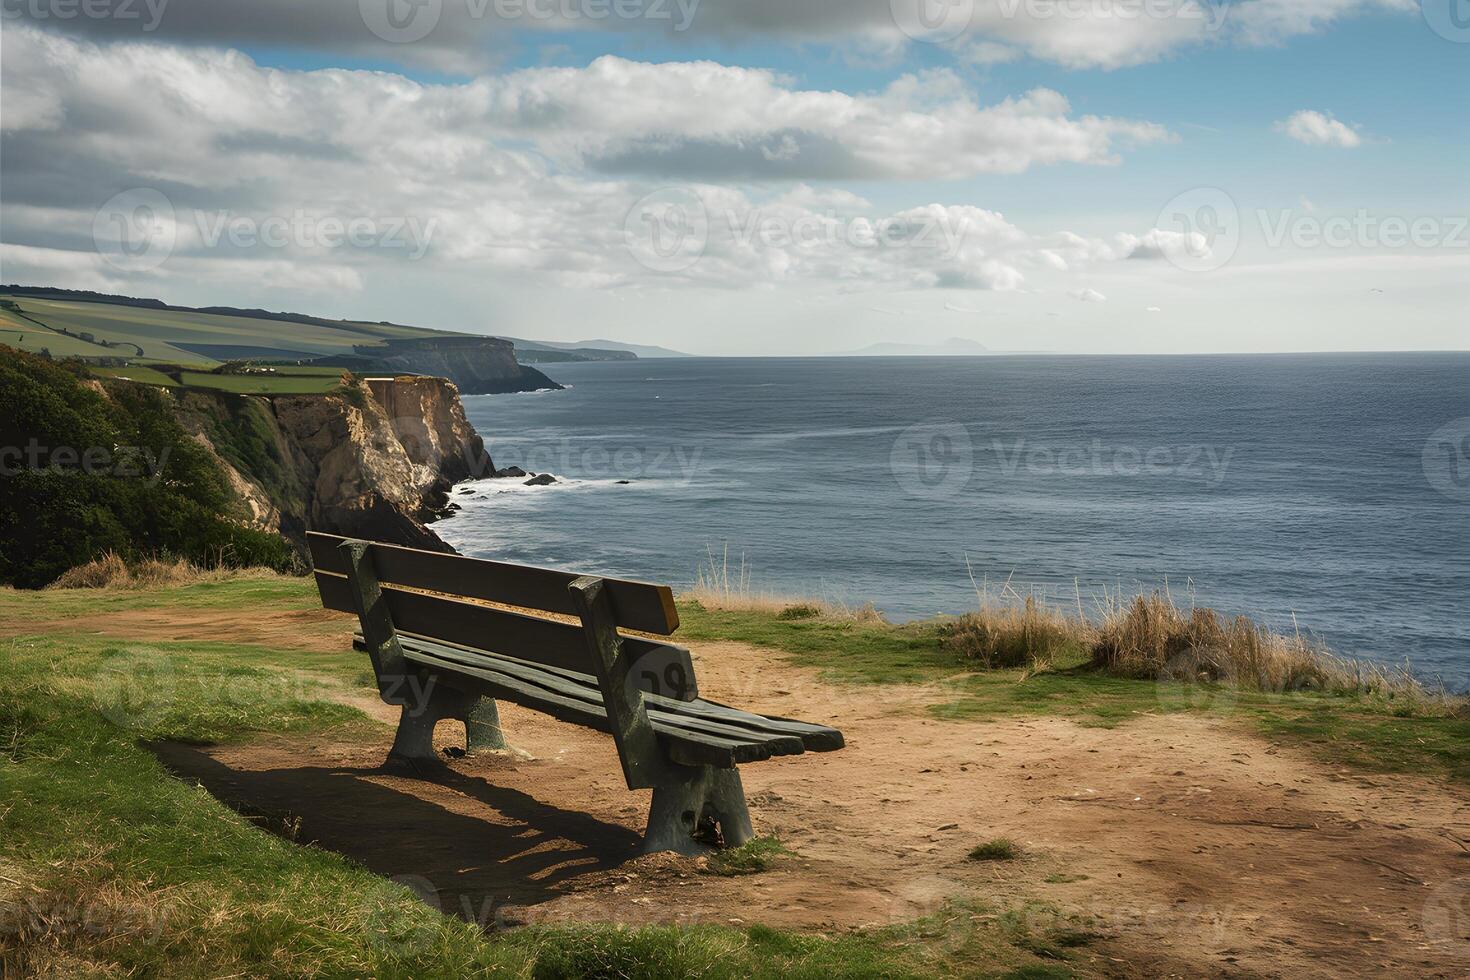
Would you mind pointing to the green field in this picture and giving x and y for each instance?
(178, 336)
(263, 384)
(142, 375)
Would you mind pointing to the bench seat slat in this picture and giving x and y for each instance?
(587, 691)
(683, 745)
(698, 714)
(640, 606)
(664, 720)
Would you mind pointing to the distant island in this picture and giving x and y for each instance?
(953, 347)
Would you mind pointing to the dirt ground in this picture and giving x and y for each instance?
(1196, 848)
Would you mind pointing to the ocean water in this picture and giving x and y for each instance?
(1329, 491)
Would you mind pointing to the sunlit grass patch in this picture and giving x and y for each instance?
(752, 857)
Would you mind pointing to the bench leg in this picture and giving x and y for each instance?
(415, 739)
(482, 726)
(690, 802)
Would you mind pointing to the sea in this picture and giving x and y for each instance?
(1325, 493)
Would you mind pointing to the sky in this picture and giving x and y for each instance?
(758, 177)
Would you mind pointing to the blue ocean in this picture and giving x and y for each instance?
(1327, 493)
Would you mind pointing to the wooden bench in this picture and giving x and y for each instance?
(441, 652)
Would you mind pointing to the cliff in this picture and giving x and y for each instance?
(375, 461)
(477, 365)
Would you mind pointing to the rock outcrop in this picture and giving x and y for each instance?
(376, 461)
(478, 365)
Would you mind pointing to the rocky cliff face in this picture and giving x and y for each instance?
(376, 462)
(477, 365)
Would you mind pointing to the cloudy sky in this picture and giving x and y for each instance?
(758, 176)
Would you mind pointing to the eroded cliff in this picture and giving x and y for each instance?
(376, 460)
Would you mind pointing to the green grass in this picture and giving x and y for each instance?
(142, 375)
(247, 590)
(130, 871)
(262, 384)
(159, 331)
(845, 650)
(996, 849)
(1368, 732)
(752, 857)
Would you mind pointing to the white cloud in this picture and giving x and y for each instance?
(632, 117)
(1319, 129)
(527, 174)
(1088, 296)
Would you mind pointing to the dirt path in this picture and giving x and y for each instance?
(1198, 849)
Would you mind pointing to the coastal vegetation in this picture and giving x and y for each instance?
(127, 869)
(110, 865)
(96, 467)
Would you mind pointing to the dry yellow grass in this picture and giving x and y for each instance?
(110, 571)
(1151, 636)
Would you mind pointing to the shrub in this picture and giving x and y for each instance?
(1151, 637)
(55, 514)
(997, 849)
(1012, 636)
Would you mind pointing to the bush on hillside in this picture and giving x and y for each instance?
(88, 470)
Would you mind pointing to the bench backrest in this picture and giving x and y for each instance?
(424, 593)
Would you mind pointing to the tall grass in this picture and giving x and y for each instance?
(110, 571)
(721, 587)
(1152, 636)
